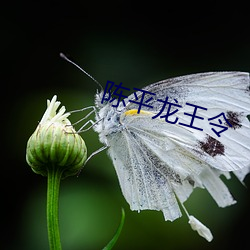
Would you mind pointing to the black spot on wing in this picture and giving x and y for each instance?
(234, 118)
(248, 89)
(212, 146)
(190, 181)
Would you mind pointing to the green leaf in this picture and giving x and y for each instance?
(117, 234)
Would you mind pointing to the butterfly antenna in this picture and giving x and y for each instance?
(68, 60)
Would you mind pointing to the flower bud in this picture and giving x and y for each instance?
(55, 144)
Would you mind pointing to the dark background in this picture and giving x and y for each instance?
(136, 43)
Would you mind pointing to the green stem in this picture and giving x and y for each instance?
(54, 177)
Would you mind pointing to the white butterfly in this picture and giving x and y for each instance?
(160, 163)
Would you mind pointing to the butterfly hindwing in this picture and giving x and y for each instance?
(142, 184)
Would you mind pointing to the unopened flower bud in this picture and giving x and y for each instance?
(55, 143)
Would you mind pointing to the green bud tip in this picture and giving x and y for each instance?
(55, 143)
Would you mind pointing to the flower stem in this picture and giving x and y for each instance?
(54, 177)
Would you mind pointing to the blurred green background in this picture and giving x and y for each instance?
(121, 41)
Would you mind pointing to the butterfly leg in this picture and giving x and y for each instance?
(96, 152)
(91, 155)
(86, 116)
(81, 129)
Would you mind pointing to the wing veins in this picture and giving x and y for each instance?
(144, 184)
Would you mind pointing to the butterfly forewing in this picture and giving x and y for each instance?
(214, 93)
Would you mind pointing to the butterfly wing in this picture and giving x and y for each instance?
(220, 92)
(141, 183)
(156, 161)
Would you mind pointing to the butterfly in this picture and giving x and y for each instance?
(160, 163)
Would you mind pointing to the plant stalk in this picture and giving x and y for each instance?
(53, 186)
